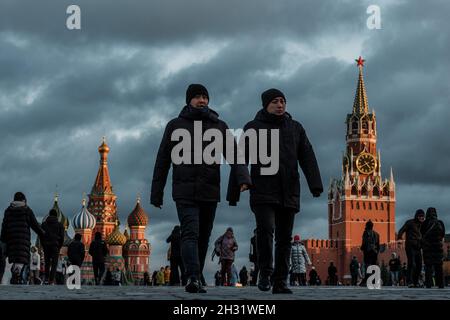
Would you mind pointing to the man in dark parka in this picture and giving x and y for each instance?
(413, 246)
(98, 251)
(52, 243)
(15, 233)
(275, 199)
(176, 263)
(76, 251)
(433, 232)
(370, 247)
(195, 184)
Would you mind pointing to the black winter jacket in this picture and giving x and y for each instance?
(433, 231)
(76, 252)
(191, 182)
(98, 250)
(54, 234)
(282, 188)
(17, 221)
(413, 235)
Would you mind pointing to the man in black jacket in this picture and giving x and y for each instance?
(76, 251)
(176, 263)
(195, 182)
(52, 243)
(433, 232)
(413, 246)
(17, 221)
(98, 250)
(370, 247)
(275, 198)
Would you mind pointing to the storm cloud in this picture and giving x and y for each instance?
(124, 75)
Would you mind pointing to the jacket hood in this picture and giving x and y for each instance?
(418, 213)
(431, 214)
(191, 113)
(18, 204)
(263, 115)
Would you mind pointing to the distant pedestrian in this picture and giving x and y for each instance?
(225, 247)
(61, 268)
(154, 278)
(76, 251)
(167, 273)
(98, 251)
(52, 243)
(146, 280)
(218, 280)
(299, 261)
(17, 221)
(332, 274)
(394, 269)
(243, 276)
(253, 257)
(354, 270)
(433, 232)
(160, 277)
(413, 246)
(370, 248)
(117, 277)
(35, 266)
(313, 277)
(234, 276)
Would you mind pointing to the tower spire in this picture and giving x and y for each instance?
(360, 105)
(102, 183)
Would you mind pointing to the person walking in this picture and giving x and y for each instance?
(167, 272)
(176, 262)
(243, 276)
(413, 246)
(299, 260)
(313, 277)
(394, 269)
(433, 232)
(195, 182)
(160, 277)
(253, 257)
(275, 193)
(370, 247)
(227, 246)
(332, 275)
(18, 219)
(98, 251)
(52, 243)
(354, 270)
(35, 266)
(76, 251)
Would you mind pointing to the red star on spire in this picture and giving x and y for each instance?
(360, 61)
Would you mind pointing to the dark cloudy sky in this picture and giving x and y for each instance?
(124, 75)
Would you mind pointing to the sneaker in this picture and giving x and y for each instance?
(193, 286)
(281, 287)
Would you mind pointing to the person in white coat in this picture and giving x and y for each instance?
(299, 260)
(35, 265)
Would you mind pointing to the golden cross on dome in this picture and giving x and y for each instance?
(360, 61)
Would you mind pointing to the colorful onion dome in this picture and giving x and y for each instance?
(116, 238)
(84, 219)
(138, 217)
(59, 214)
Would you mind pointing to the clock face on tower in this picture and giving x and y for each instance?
(366, 163)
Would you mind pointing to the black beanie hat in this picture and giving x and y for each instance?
(195, 89)
(269, 95)
(19, 196)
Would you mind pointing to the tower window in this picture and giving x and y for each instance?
(364, 205)
(354, 127)
(370, 206)
(357, 205)
(382, 206)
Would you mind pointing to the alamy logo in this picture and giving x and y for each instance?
(257, 142)
(374, 280)
(74, 278)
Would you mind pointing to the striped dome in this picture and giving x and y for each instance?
(84, 219)
(138, 217)
(116, 238)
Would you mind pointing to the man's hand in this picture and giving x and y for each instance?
(244, 187)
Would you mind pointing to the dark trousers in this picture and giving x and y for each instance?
(354, 279)
(99, 269)
(177, 269)
(2, 267)
(196, 222)
(270, 220)
(51, 257)
(300, 278)
(370, 258)
(226, 271)
(414, 257)
(438, 275)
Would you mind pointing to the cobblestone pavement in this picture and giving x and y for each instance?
(8, 292)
